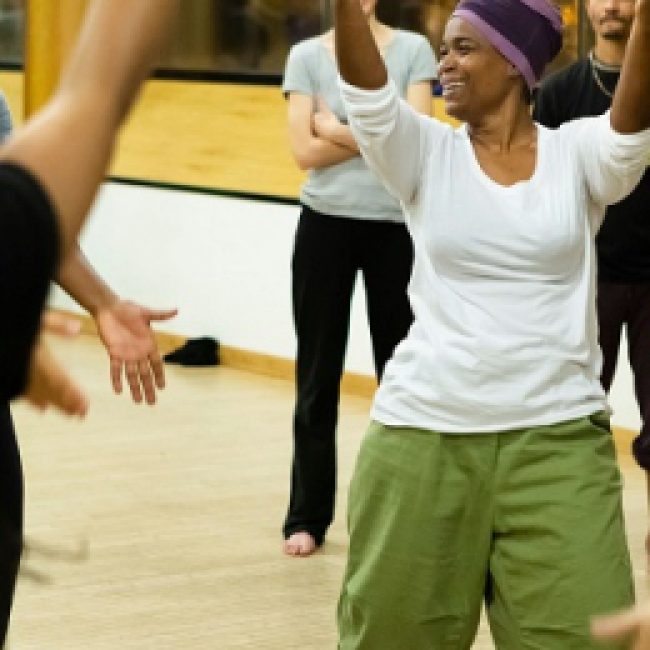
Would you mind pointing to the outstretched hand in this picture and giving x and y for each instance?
(125, 330)
(48, 384)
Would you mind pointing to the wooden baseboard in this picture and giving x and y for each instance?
(623, 439)
(256, 362)
(281, 368)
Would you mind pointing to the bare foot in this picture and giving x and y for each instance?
(300, 545)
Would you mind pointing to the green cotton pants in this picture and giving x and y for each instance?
(528, 521)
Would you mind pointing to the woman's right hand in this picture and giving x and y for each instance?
(325, 123)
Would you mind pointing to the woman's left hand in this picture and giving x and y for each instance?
(324, 122)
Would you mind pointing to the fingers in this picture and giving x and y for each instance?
(116, 375)
(50, 386)
(131, 370)
(143, 378)
(146, 379)
(71, 400)
(158, 370)
(635, 622)
(61, 324)
(613, 627)
(161, 314)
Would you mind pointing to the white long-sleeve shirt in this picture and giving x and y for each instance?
(503, 286)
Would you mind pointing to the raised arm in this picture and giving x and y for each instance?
(68, 145)
(631, 108)
(360, 62)
(391, 134)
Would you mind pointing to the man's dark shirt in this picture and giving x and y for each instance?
(29, 243)
(623, 242)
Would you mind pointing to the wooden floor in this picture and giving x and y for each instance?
(159, 528)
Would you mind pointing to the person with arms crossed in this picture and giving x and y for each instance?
(348, 223)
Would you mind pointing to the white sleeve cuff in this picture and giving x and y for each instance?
(626, 149)
(373, 111)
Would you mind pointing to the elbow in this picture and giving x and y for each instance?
(304, 161)
(304, 164)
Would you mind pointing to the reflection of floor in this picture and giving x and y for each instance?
(159, 528)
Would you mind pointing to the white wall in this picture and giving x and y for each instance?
(225, 264)
(622, 400)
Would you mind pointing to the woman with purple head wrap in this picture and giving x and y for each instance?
(527, 33)
(488, 473)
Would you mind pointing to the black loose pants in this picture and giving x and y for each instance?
(328, 254)
(628, 305)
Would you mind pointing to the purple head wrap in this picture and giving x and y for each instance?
(528, 33)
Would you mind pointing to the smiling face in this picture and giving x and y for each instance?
(475, 78)
(611, 19)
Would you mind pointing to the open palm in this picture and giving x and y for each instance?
(125, 330)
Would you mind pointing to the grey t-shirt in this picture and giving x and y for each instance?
(350, 189)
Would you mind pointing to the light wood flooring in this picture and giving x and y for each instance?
(160, 528)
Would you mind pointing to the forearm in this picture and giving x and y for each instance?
(631, 108)
(78, 278)
(119, 43)
(359, 60)
(342, 136)
(319, 153)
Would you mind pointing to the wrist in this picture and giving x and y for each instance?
(104, 303)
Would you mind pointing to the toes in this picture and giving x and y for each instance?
(291, 548)
(300, 545)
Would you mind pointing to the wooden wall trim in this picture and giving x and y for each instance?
(256, 362)
(280, 368)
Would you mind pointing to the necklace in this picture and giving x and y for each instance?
(595, 74)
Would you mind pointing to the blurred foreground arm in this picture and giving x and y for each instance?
(69, 143)
(67, 147)
(48, 384)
